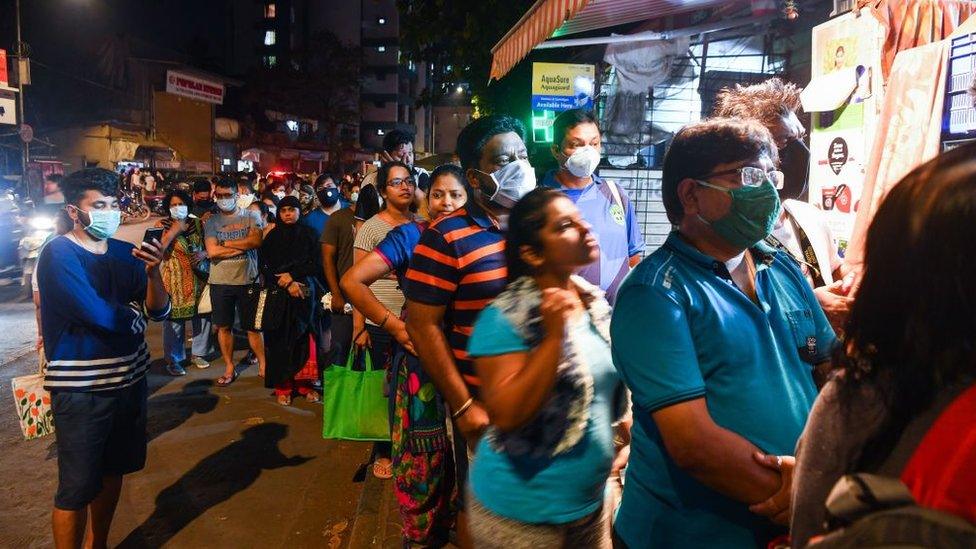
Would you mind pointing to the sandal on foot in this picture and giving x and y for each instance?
(382, 471)
(313, 397)
(284, 400)
(226, 381)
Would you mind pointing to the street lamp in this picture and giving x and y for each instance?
(25, 158)
(459, 89)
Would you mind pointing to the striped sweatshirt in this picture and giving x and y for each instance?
(92, 316)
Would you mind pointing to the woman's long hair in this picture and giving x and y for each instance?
(525, 222)
(912, 328)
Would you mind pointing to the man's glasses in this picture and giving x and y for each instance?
(396, 182)
(752, 176)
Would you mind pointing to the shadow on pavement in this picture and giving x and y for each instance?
(169, 411)
(215, 479)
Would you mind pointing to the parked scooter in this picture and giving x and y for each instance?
(38, 227)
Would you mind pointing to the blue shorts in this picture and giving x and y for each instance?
(99, 433)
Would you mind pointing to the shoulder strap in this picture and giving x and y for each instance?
(614, 192)
(809, 254)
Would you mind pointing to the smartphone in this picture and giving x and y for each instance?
(153, 233)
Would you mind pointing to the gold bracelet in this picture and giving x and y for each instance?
(464, 408)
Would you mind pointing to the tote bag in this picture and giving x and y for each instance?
(355, 408)
(33, 404)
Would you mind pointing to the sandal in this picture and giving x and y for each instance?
(226, 381)
(284, 400)
(382, 471)
(313, 397)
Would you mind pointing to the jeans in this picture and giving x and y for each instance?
(174, 338)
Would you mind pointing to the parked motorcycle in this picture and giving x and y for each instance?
(134, 210)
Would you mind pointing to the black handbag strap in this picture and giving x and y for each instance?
(809, 255)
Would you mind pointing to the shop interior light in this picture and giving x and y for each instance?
(381, 49)
(381, 20)
(459, 89)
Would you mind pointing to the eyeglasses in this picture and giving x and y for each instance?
(398, 181)
(752, 176)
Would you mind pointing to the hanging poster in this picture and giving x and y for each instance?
(843, 99)
(562, 86)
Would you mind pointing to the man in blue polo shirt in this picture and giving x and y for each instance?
(718, 337)
(603, 204)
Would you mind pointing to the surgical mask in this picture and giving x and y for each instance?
(179, 212)
(273, 211)
(353, 197)
(244, 200)
(583, 161)
(511, 182)
(751, 217)
(794, 160)
(227, 204)
(279, 194)
(102, 224)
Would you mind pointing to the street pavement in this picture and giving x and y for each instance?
(226, 467)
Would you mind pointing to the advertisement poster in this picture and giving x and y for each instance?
(562, 86)
(841, 139)
(179, 83)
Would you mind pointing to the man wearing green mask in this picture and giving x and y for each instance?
(718, 336)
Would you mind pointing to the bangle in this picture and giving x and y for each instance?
(385, 318)
(464, 408)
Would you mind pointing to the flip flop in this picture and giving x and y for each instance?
(224, 381)
(313, 397)
(382, 471)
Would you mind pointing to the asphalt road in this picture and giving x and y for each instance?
(18, 329)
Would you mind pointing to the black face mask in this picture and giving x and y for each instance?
(794, 162)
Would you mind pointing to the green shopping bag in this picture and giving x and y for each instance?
(354, 405)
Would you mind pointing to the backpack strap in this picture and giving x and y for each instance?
(614, 193)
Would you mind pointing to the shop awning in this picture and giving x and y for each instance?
(554, 18)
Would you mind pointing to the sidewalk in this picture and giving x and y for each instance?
(225, 468)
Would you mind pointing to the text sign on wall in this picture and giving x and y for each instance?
(562, 86)
(179, 83)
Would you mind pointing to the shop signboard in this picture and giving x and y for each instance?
(562, 86)
(194, 87)
(844, 100)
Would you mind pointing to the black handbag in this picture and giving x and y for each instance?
(263, 307)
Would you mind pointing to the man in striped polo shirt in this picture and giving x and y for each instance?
(96, 294)
(458, 268)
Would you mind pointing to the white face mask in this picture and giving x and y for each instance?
(244, 200)
(279, 194)
(179, 212)
(226, 204)
(353, 197)
(583, 161)
(272, 211)
(512, 182)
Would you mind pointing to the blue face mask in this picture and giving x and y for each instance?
(751, 217)
(102, 224)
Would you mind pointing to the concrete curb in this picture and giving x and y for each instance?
(374, 526)
(17, 355)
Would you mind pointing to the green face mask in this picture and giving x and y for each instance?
(752, 215)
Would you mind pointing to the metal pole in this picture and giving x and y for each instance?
(25, 147)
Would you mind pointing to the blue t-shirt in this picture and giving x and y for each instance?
(556, 490)
(315, 219)
(681, 331)
(617, 232)
(397, 247)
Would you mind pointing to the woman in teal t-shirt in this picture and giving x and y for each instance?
(542, 352)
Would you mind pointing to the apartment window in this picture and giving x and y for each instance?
(381, 20)
(269, 11)
(381, 49)
(270, 60)
(380, 132)
(269, 38)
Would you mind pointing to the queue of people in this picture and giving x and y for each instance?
(728, 382)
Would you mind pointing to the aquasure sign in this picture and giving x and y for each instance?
(562, 86)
